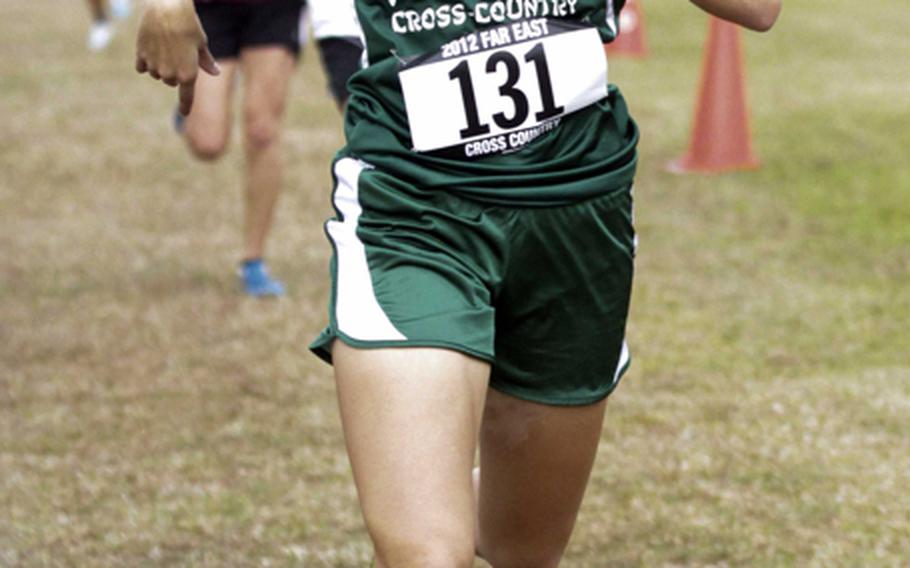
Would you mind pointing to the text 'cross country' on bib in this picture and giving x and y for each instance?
(495, 90)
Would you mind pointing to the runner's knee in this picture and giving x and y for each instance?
(422, 543)
(430, 552)
(523, 555)
(262, 129)
(206, 145)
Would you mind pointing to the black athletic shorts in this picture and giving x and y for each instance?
(233, 26)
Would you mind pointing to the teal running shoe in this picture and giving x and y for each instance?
(255, 279)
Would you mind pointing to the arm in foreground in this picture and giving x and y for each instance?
(171, 46)
(758, 15)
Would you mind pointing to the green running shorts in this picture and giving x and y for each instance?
(541, 293)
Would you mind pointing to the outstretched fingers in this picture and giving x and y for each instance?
(186, 82)
(186, 94)
(207, 61)
(171, 47)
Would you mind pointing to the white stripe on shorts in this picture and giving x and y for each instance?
(611, 16)
(623, 361)
(357, 311)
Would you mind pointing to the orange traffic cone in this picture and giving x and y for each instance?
(720, 135)
(631, 38)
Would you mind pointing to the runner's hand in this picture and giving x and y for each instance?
(171, 46)
(758, 15)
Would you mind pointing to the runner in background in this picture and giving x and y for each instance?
(256, 44)
(337, 32)
(103, 13)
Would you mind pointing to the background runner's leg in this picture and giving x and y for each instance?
(267, 73)
(208, 126)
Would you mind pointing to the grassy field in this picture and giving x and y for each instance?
(151, 416)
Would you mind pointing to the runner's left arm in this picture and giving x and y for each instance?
(758, 15)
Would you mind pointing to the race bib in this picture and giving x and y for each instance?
(495, 90)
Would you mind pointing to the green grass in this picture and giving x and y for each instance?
(151, 416)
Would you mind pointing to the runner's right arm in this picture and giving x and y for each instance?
(171, 47)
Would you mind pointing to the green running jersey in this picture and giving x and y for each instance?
(503, 101)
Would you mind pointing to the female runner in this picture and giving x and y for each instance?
(482, 268)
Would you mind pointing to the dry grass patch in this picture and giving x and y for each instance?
(150, 416)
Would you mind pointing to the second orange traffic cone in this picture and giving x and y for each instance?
(721, 139)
